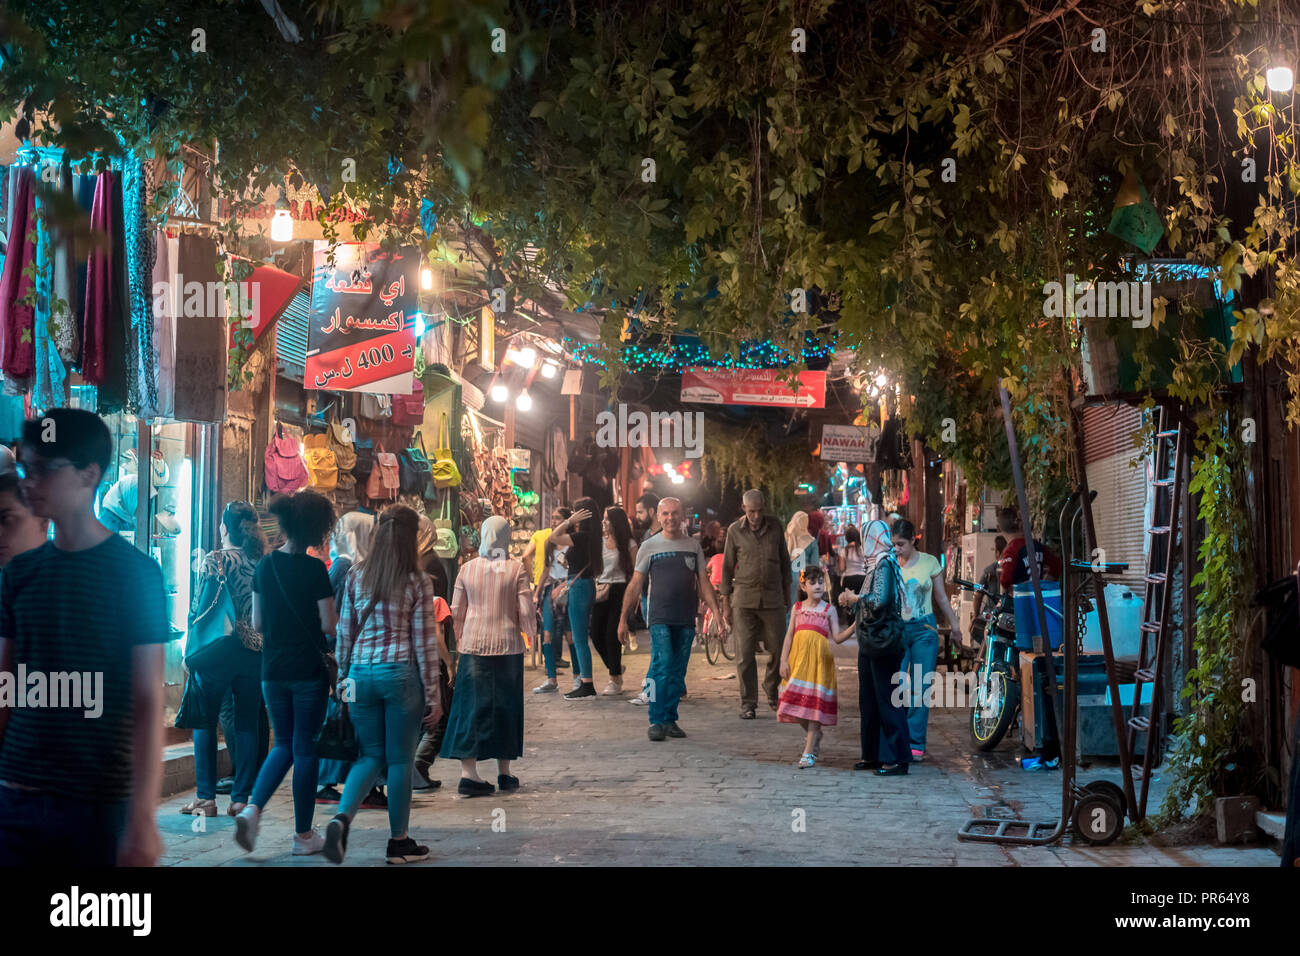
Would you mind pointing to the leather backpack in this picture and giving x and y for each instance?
(322, 467)
(416, 473)
(409, 409)
(285, 471)
(385, 477)
(364, 449)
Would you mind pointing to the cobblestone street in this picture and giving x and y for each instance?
(595, 791)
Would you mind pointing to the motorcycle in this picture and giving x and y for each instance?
(997, 688)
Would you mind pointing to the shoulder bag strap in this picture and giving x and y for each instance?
(361, 626)
(287, 600)
(444, 442)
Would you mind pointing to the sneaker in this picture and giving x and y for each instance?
(246, 828)
(612, 689)
(336, 838)
(375, 800)
(642, 698)
(406, 851)
(657, 732)
(328, 795)
(583, 690)
(313, 844)
(917, 755)
(563, 665)
(549, 687)
(675, 731)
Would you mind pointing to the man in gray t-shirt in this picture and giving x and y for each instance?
(671, 566)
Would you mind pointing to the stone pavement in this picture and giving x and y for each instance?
(595, 790)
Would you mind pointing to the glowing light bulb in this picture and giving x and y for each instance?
(419, 324)
(549, 370)
(524, 402)
(526, 356)
(881, 380)
(499, 392)
(679, 480)
(426, 278)
(281, 223)
(1280, 79)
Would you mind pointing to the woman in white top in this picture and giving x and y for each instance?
(619, 554)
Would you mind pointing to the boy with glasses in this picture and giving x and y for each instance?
(79, 783)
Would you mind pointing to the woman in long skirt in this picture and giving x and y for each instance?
(492, 603)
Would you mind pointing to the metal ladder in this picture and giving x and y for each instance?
(1168, 460)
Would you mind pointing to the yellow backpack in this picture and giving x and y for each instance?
(322, 466)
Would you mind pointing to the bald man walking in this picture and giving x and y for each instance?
(756, 598)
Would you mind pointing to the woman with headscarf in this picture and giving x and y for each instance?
(882, 600)
(491, 604)
(803, 549)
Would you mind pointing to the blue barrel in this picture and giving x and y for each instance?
(1022, 596)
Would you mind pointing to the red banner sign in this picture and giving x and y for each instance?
(361, 335)
(757, 386)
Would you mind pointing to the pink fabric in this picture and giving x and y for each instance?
(492, 603)
(99, 283)
(18, 321)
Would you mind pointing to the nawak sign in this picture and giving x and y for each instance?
(361, 332)
(726, 386)
(850, 443)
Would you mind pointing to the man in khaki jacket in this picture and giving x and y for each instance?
(756, 597)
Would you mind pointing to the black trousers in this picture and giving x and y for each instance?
(228, 730)
(604, 629)
(884, 725)
(431, 742)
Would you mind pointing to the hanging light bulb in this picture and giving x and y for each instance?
(679, 480)
(1280, 79)
(281, 222)
(499, 392)
(527, 356)
(549, 369)
(426, 278)
(524, 402)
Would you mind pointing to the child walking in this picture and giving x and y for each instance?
(807, 695)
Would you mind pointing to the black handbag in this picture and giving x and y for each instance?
(193, 713)
(880, 629)
(337, 739)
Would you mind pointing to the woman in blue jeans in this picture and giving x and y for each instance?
(581, 535)
(388, 658)
(293, 608)
(239, 669)
(925, 590)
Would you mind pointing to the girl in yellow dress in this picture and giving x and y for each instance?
(808, 667)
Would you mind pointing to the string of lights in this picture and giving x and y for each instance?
(678, 355)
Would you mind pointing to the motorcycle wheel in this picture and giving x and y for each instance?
(1000, 696)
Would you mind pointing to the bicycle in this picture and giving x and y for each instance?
(716, 644)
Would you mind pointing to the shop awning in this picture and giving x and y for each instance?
(274, 289)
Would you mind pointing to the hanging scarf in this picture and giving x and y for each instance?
(16, 317)
(797, 537)
(878, 546)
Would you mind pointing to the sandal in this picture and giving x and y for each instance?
(806, 761)
(207, 808)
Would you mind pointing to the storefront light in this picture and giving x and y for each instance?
(679, 479)
(549, 369)
(881, 380)
(281, 223)
(527, 356)
(426, 278)
(499, 392)
(524, 402)
(419, 324)
(1280, 79)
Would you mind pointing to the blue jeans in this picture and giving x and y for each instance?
(37, 828)
(670, 654)
(920, 652)
(297, 709)
(554, 625)
(247, 698)
(386, 714)
(582, 596)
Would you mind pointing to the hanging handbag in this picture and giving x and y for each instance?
(880, 629)
(364, 449)
(337, 738)
(285, 471)
(416, 472)
(212, 636)
(445, 472)
(390, 474)
(193, 713)
(409, 409)
(345, 453)
(322, 467)
(446, 546)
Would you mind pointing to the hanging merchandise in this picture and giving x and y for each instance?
(285, 471)
(17, 318)
(166, 309)
(201, 351)
(385, 477)
(99, 311)
(376, 406)
(53, 320)
(409, 409)
(364, 450)
(416, 473)
(447, 545)
(322, 467)
(345, 454)
(142, 370)
(445, 472)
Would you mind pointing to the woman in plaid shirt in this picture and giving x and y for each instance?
(388, 670)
